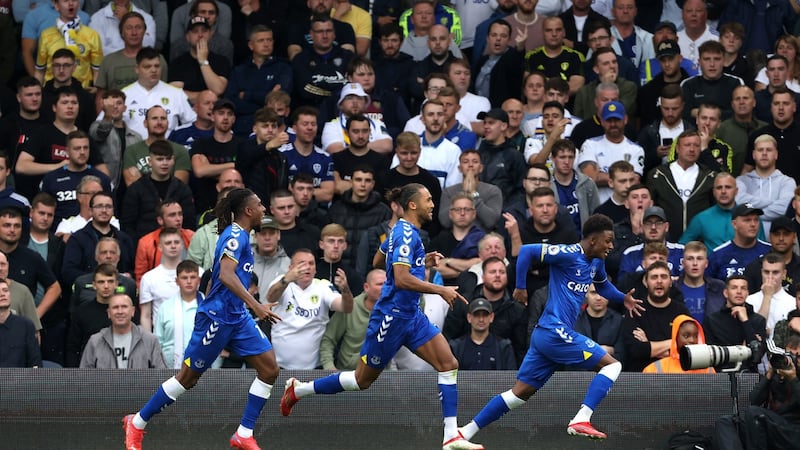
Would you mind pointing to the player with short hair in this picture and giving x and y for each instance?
(397, 320)
(554, 342)
(223, 321)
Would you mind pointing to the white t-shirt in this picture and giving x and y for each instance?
(122, 348)
(684, 179)
(333, 132)
(690, 48)
(304, 314)
(157, 286)
(416, 126)
(439, 158)
(106, 24)
(472, 14)
(604, 153)
(471, 106)
(782, 304)
(139, 100)
(75, 223)
(791, 83)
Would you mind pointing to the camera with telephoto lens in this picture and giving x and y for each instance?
(701, 356)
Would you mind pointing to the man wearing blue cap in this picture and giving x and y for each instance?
(598, 153)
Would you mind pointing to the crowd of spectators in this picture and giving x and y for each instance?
(122, 124)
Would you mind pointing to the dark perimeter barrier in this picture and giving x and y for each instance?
(82, 409)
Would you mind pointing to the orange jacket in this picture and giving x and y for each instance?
(148, 256)
(672, 364)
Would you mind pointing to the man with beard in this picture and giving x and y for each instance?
(598, 153)
(352, 103)
(136, 162)
(655, 227)
(658, 134)
(459, 243)
(649, 336)
(785, 131)
(510, 320)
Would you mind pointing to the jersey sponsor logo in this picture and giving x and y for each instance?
(384, 330)
(308, 313)
(578, 287)
(247, 267)
(419, 261)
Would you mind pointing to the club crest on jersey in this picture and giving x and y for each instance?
(375, 360)
(593, 272)
(314, 299)
(317, 167)
(165, 101)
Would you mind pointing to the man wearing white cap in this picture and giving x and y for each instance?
(353, 101)
(598, 153)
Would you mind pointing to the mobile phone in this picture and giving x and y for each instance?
(666, 142)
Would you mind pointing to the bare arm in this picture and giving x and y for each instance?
(575, 82)
(49, 298)
(344, 302)
(202, 168)
(27, 166)
(131, 174)
(146, 316)
(28, 49)
(382, 146)
(324, 193)
(227, 276)
(404, 280)
(341, 184)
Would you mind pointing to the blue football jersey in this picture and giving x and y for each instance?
(571, 273)
(318, 164)
(221, 304)
(403, 246)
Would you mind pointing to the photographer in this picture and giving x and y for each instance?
(773, 419)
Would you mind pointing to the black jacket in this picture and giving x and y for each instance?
(505, 79)
(356, 218)
(139, 205)
(263, 170)
(79, 253)
(510, 322)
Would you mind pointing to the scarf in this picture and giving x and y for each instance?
(70, 31)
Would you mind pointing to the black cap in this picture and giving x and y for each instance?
(494, 113)
(782, 223)
(666, 24)
(198, 20)
(480, 304)
(746, 209)
(656, 211)
(668, 47)
(224, 103)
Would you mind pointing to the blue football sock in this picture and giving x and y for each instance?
(157, 402)
(493, 410)
(256, 398)
(597, 391)
(328, 385)
(448, 394)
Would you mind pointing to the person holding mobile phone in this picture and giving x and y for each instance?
(658, 136)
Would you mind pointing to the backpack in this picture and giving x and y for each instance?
(688, 440)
